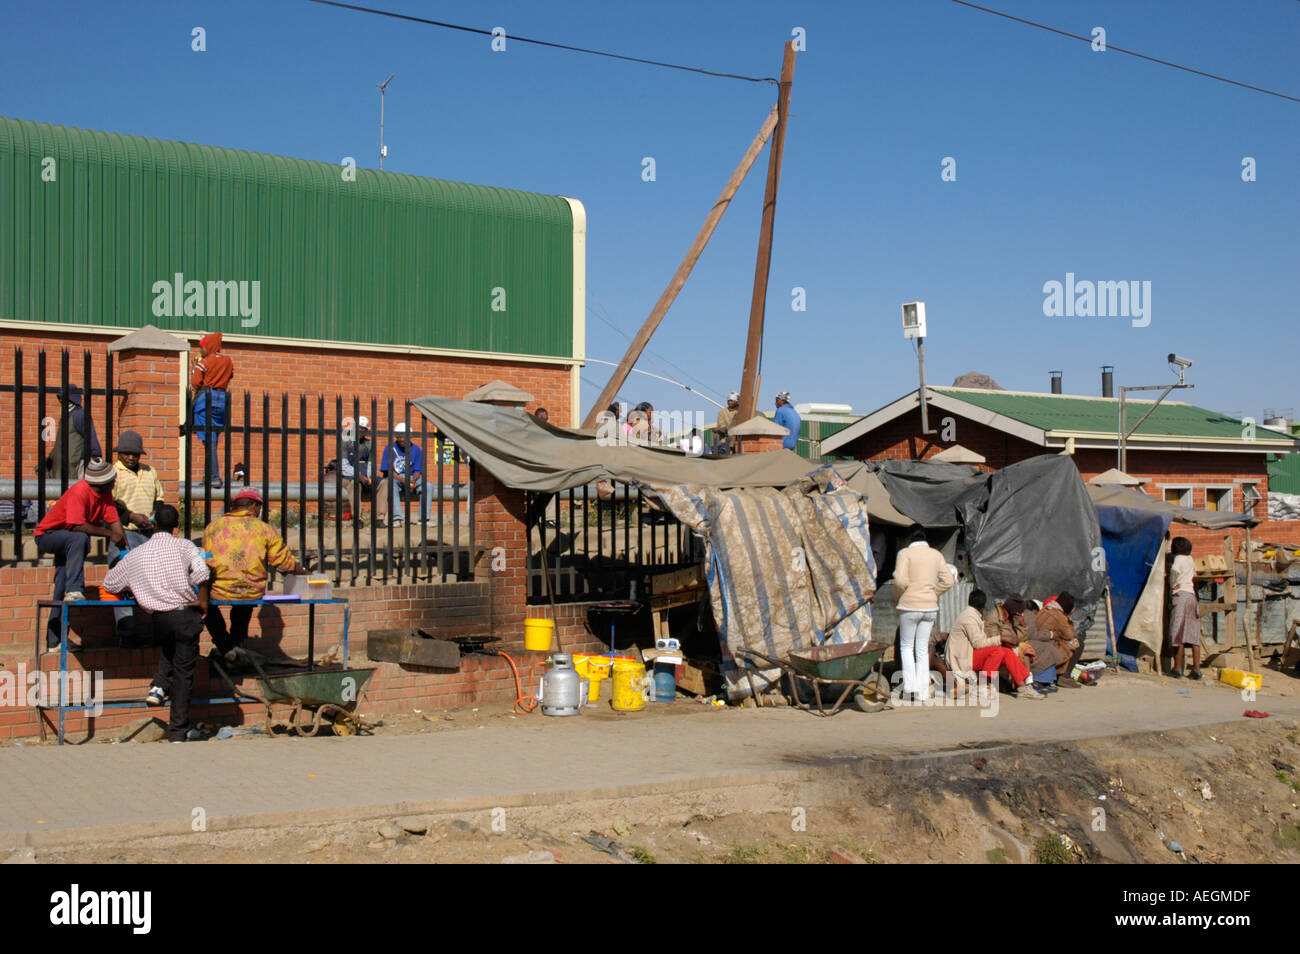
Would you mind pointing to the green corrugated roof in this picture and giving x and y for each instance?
(1057, 412)
(1284, 473)
(91, 222)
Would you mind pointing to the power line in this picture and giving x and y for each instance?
(651, 354)
(548, 43)
(1120, 49)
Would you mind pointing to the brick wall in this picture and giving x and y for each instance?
(493, 604)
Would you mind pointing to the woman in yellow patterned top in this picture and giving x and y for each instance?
(242, 547)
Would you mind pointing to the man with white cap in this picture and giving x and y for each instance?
(355, 464)
(788, 418)
(726, 421)
(401, 472)
(86, 510)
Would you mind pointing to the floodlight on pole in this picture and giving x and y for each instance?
(914, 328)
(383, 88)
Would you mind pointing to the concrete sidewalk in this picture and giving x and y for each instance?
(53, 795)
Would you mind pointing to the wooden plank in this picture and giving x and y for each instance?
(683, 272)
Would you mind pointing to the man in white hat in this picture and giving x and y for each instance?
(788, 418)
(401, 472)
(355, 465)
(726, 421)
(86, 510)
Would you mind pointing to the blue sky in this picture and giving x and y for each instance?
(1067, 160)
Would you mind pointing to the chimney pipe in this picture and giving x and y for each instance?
(1107, 380)
(1056, 381)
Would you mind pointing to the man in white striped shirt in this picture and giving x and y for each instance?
(169, 581)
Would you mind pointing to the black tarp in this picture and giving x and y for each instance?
(1029, 528)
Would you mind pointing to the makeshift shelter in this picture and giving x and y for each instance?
(787, 554)
(786, 569)
(1133, 531)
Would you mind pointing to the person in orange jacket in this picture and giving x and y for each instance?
(210, 380)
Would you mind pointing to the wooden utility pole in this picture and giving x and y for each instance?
(683, 272)
(749, 378)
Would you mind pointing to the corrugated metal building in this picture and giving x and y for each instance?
(100, 230)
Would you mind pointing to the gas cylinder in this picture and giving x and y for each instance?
(561, 687)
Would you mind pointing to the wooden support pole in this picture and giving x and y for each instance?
(754, 342)
(683, 272)
(1230, 591)
(1250, 579)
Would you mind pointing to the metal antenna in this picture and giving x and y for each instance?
(383, 150)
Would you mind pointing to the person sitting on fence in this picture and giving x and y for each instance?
(138, 492)
(86, 510)
(401, 474)
(169, 582)
(358, 480)
(209, 381)
(77, 428)
(242, 547)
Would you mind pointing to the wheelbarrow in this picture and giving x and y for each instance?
(326, 695)
(853, 666)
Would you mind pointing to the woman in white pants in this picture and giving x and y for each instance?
(920, 575)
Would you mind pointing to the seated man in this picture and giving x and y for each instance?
(169, 582)
(966, 636)
(1055, 640)
(1003, 629)
(402, 477)
(241, 546)
(86, 510)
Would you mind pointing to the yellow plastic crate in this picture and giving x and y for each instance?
(1241, 679)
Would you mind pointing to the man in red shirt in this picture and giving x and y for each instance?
(86, 510)
(209, 380)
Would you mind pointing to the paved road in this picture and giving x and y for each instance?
(133, 789)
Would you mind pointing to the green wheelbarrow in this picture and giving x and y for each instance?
(853, 666)
(313, 697)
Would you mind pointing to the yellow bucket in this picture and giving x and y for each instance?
(538, 635)
(629, 685)
(598, 670)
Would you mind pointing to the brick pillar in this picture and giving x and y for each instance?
(759, 444)
(500, 529)
(149, 369)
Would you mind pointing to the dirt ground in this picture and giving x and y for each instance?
(1225, 794)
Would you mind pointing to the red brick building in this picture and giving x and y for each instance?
(1184, 454)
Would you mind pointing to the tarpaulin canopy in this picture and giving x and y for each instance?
(931, 493)
(525, 453)
(1132, 539)
(786, 569)
(1117, 496)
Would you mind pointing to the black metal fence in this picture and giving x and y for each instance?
(597, 541)
(40, 471)
(296, 461)
(291, 449)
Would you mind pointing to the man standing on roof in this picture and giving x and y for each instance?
(726, 421)
(209, 380)
(86, 510)
(788, 418)
(242, 547)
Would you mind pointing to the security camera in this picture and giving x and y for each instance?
(1179, 360)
